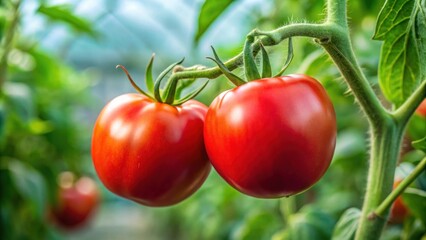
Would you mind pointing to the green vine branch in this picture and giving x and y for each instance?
(386, 204)
(406, 110)
(273, 38)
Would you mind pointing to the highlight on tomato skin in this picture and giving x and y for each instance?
(398, 212)
(149, 152)
(272, 137)
(77, 201)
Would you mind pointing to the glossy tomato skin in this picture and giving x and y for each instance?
(76, 203)
(150, 152)
(399, 211)
(272, 137)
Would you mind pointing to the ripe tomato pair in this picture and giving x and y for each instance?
(268, 138)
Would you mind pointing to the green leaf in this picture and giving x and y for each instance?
(2, 120)
(416, 127)
(420, 26)
(257, 225)
(20, 98)
(63, 13)
(420, 144)
(400, 67)
(347, 225)
(209, 12)
(308, 224)
(30, 185)
(415, 199)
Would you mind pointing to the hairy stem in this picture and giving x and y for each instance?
(356, 80)
(336, 12)
(273, 38)
(385, 146)
(387, 203)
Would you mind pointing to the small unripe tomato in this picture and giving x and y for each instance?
(399, 211)
(76, 201)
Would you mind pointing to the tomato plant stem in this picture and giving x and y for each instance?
(386, 204)
(385, 146)
(356, 80)
(275, 37)
(336, 12)
(406, 110)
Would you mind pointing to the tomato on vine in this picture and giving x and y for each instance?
(270, 137)
(149, 151)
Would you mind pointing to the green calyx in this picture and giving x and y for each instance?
(250, 68)
(171, 93)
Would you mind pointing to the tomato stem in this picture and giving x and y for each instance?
(387, 203)
(406, 110)
(385, 146)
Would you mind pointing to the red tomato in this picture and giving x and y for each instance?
(271, 137)
(421, 110)
(399, 211)
(76, 201)
(152, 153)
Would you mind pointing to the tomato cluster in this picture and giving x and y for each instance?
(268, 138)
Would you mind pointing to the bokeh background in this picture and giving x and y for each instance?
(59, 71)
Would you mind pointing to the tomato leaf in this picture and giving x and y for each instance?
(347, 224)
(209, 12)
(308, 224)
(64, 13)
(21, 99)
(401, 26)
(420, 144)
(258, 225)
(415, 199)
(30, 184)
